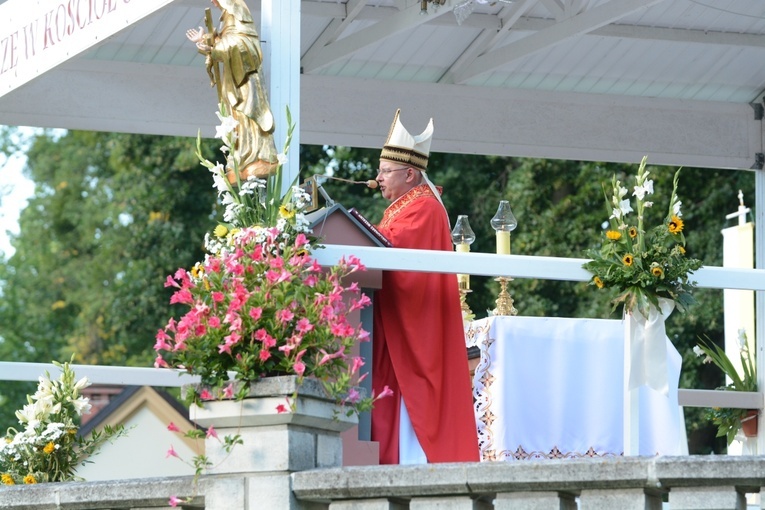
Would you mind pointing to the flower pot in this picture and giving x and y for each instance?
(276, 437)
(749, 423)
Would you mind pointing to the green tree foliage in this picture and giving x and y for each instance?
(113, 215)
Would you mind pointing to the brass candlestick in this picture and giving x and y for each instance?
(467, 313)
(504, 300)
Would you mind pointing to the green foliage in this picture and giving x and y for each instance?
(728, 420)
(74, 250)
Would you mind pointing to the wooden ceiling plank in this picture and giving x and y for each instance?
(583, 23)
(407, 19)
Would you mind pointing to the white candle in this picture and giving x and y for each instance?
(503, 242)
(463, 279)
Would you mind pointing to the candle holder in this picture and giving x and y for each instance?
(462, 237)
(503, 223)
(504, 300)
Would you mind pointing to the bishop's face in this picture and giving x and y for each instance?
(395, 179)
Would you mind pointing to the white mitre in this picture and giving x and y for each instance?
(402, 147)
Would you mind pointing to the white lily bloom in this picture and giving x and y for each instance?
(281, 158)
(227, 125)
(648, 204)
(698, 352)
(625, 207)
(616, 213)
(741, 338)
(81, 405)
(676, 209)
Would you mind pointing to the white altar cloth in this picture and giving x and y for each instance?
(553, 388)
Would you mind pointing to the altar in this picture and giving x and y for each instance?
(549, 388)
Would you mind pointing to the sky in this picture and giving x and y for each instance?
(15, 190)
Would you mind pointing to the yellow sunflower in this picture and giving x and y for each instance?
(628, 259)
(681, 249)
(49, 447)
(220, 231)
(30, 479)
(613, 235)
(675, 225)
(7, 479)
(632, 232)
(657, 271)
(598, 282)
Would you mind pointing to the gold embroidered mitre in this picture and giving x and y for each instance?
(401, 147)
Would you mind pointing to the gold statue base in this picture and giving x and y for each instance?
(504, 301)
(260, 169)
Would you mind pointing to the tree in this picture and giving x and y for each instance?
(111, 217)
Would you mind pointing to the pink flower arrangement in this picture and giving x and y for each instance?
(259, 306)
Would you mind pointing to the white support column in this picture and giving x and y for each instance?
(280, 40)
(759, 263)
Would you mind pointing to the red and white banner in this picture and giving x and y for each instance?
(38, 35)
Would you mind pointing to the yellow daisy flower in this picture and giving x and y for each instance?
(30, 479)
(628, 259)
(632, 232)
(657, 271)
(598, 282)
(613, 235)
(49, 448)
(7, 479)
(675, 225)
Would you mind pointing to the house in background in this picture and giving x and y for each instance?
(142, 453)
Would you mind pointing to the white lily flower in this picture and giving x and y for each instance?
(227, 125)
(81, 406)
(648, 204)
(676, 209)
(625, 207)
(741, 338)
(281, 158)
(698, 351)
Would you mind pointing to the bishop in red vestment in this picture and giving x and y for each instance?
(418, 343)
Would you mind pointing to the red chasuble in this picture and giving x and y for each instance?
(419, 344)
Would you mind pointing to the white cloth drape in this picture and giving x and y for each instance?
(553, 387)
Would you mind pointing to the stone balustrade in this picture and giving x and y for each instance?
(682, 483)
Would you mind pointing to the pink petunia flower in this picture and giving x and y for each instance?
(211, 432)
(256, 313)
(172, 427)
(172, 453)
(386, 392)
(174, 501)
(206, 395)
(299, 367)
(228, 391)
(304, 325)
(159, 362)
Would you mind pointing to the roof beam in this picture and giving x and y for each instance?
(583, 23)
(488, 38)
(335, 29)
(400, 21)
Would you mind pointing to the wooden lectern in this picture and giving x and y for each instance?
(337, 225)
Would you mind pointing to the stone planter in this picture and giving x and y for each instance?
(305, 438)
(256, 474)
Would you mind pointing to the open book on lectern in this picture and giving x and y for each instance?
(337, 225)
